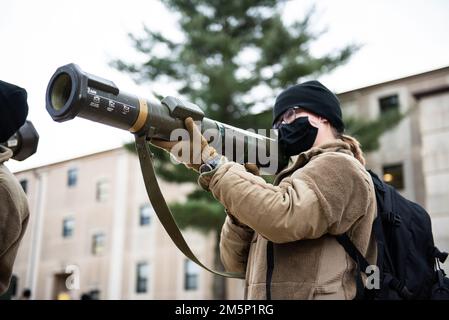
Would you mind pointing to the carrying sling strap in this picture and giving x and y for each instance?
(161, 208)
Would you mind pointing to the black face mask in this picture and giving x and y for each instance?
(297, 136)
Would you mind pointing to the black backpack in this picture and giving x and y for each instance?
(407, 259)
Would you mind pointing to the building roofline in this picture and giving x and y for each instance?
(416, 75)
(431, 92)
(68, 160)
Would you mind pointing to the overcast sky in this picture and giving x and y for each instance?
(399, 38)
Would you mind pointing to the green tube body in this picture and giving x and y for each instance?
(71, 92)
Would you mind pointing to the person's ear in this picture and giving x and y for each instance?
(324, 121)
(315, 121)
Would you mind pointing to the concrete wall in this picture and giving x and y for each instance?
(420, 141)
(434, 119)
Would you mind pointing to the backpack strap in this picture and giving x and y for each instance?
(384, 208)
(378, 184)
(362, 265)
(359, 259)
(352, 251)
(384, 262)
(270, 267)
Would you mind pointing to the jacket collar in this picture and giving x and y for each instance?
(303, 158)
(336, 145)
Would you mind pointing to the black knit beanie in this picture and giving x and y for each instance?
(313, 97)
(13, 109)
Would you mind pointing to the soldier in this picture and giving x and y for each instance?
(14, 211)
(282, 236)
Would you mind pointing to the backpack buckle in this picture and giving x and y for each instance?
(441, 256)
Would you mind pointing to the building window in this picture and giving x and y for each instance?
(72, 177)
(102, 192)
(146, 212)
(191, 274)
(24, 184)
(142, 271)
(98, 243)
(389, 103)
(394, 175)
(68, 226)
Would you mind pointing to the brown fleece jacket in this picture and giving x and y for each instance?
(13, 219)
(326, 192)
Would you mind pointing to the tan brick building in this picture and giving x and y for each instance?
(415, 155)
(90, 217)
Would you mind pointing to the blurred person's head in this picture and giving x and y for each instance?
(308, 115)
(13, 109)
(86, 296)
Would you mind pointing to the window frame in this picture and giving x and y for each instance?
(24, 184)
(191, 274)
(148, 218)
(102, 190)
(142, 277)
(72, 230)
(94, 243)
(390, 169)
(72, 177)
(386, 106)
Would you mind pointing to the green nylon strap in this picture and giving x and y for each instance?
(161, 208)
